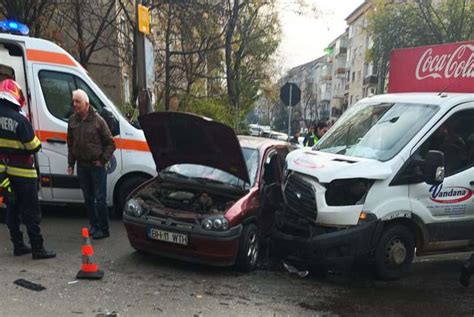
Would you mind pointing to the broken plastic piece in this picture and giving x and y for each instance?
(29, 285)
(292, 269)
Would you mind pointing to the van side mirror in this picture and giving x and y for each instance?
(433, 170)
(111, 121)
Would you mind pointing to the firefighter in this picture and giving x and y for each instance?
(18, 143)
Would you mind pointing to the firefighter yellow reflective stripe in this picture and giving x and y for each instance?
(5, 183)
(19, 172)
(33, 144)
(11, 144)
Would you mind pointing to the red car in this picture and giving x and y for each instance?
(214, 195)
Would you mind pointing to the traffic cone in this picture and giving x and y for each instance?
(89, 269)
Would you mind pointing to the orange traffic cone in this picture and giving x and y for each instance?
(89, 269)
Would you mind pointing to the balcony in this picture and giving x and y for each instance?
(341, 51)
(341, 70)
(371, 79)
(327, 77)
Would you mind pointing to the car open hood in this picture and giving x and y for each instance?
(183, 138)
(327, 167)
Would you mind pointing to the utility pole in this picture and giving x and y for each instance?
(143, 27)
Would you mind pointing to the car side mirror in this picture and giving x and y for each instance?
(433, 170)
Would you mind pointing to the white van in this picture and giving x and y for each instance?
(49, 75)
(393, 176)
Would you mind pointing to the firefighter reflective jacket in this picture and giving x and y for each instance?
(17, 144)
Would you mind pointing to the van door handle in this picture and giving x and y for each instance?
(56, 140)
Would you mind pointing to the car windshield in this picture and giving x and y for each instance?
(376, 131)
(202, 172)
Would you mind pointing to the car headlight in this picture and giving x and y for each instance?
(215, 223)
(133, 207)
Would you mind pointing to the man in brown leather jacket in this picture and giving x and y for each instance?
(91, 146)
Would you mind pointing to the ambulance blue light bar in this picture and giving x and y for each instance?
(13, 27)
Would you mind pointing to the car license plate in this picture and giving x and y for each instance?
(167, 236)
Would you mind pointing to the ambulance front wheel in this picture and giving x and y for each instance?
(394, 252)
(124, 189)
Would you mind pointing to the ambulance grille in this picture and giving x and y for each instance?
(300, 196)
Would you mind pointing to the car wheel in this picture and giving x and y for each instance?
(249, 248)
(395, 252)
(124, 190)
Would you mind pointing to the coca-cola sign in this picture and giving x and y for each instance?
(447, 68)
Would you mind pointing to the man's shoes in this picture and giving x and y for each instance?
(100, 235)
(92, 231)
(465, 277)
(21, 249)
(42, 253)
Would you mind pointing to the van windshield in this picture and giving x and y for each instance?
(376, 131)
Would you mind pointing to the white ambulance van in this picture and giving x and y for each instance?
(394, 176)
(48, 74)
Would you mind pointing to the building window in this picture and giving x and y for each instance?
(353, 76)
(359, 74)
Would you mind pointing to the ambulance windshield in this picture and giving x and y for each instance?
(376, 131)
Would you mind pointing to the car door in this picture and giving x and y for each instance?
(271, 190)
(448, 208)
(54, 97)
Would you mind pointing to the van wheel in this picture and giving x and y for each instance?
(395, 252)
(124, 190)
(249, 248)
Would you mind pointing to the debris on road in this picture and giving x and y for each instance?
(29, 285)
(292, 269)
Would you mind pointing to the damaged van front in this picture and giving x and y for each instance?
(333, 192)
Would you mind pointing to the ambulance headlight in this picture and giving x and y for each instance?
(134, 208)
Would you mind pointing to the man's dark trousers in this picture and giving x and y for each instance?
(93, 181)
(23, 205)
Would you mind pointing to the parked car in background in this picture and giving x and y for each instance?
(258, 130)
(278, 136)
(214, 194)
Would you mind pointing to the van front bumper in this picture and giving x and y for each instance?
(335, 249)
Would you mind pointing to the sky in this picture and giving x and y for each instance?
(304, 38)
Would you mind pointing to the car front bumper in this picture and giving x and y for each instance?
(214, 248)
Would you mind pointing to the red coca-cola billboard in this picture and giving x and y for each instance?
(446, 67)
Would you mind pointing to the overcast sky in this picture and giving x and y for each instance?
(305, 38)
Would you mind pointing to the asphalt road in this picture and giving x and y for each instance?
(141, 285)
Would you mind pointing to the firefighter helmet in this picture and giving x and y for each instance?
(11, 91)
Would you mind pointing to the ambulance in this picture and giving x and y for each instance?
(48, 75)
(394, 177)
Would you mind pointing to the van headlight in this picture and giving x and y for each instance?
(347, 192)
(134, 208)
(215, 223)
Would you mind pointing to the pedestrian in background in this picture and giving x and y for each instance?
(91, 146)
(321, 129)
(294, 139)
(309, 139)
(18, 144)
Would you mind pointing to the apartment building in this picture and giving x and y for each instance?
(337, 56)
(360, 75)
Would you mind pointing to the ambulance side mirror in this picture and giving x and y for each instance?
(433, 170)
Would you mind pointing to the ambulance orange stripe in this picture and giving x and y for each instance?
(123, 144)
(49, 57)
